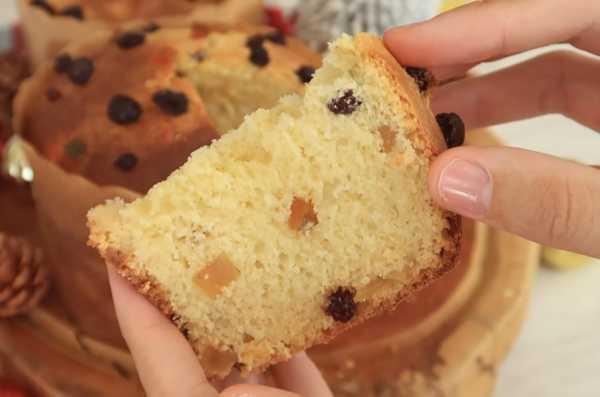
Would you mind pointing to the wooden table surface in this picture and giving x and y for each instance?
(558, 353)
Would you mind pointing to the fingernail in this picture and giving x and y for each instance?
(466, 187)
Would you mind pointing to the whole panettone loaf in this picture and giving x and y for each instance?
(310, 218)
(128, 108)
(49, 25)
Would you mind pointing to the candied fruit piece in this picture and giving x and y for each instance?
(302, 215)
(388, 137)
(215, 277)
(217, 361)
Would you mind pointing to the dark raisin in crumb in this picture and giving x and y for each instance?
(259, 56)
(126, 162)
(62, 63)
(276, 37)
(255, 41)
(342, 306)
(171, 102)
(43, 4)
(124, 110)
(421, 76)
(129, 40)
(453, 128)
(80, 71)
(53, 95)
(73, 11)
(346, 104)
(75, 148)
(151, 27)
(306, 73)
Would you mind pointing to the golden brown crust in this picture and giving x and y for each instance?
(428, 130)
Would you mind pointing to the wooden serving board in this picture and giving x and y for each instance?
(447, 341)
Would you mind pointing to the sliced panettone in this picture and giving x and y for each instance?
(310, 218)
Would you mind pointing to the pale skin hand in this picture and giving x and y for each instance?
(167, 366)
(540, 197)
(545, 199)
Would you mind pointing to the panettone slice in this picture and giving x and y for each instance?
(310, 218)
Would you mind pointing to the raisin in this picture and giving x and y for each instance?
(75, 148)
(80, 71)
(129, 40)
(62, 63)
(342, 306)
(124, 110)
(151, 27)
(259, 56)
(171, 102)
(346, 104)
(276, 37)
(421, 76)
(53, 95)
(126, 162)
(306, 73)
(73, 11)
(255, 41)
(43, 4)
(453, 129)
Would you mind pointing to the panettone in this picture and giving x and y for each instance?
(51, 24)
(310, 218)
(128, 108)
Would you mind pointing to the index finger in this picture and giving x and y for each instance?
(487, 30)
(165, 361)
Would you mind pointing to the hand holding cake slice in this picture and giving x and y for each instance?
(310, 218)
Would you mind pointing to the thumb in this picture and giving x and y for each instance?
(539, 197)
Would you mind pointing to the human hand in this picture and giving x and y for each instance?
(540, 197)
(167, 365)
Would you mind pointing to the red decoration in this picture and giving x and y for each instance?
(277, 19)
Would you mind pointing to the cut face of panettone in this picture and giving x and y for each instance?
(128, 108)
(308, 219)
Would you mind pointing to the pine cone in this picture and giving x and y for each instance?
(24, 279)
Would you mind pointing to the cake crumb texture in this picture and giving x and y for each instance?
(308, 219)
